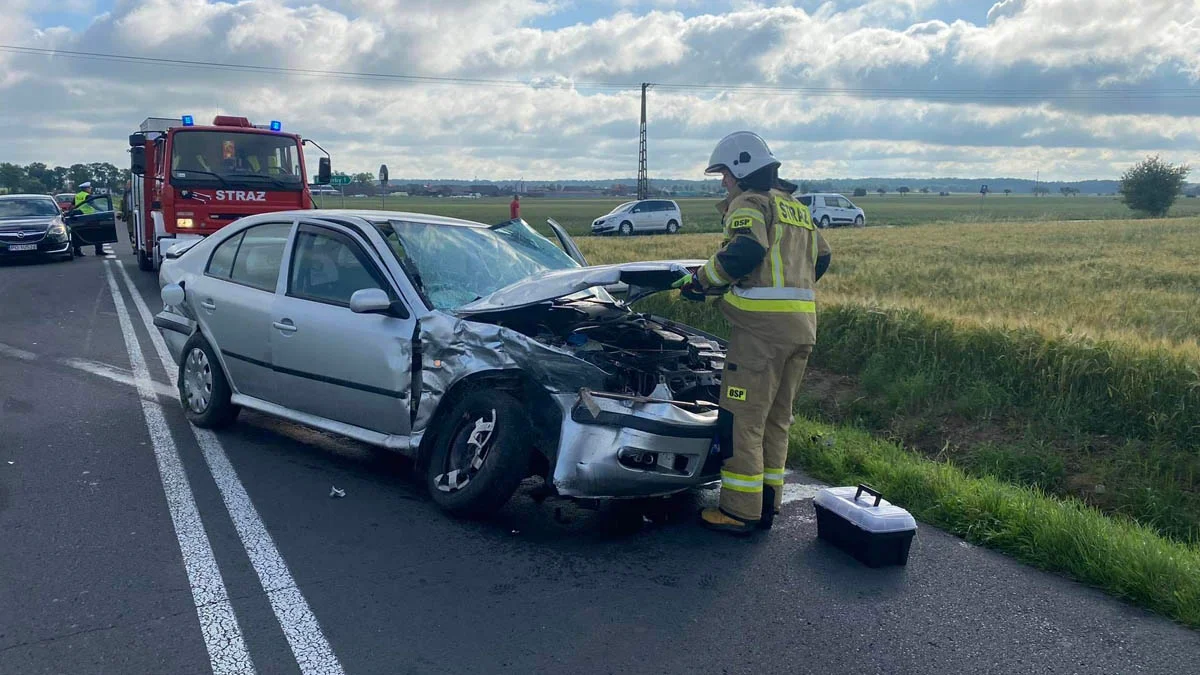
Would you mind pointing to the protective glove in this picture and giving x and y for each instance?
(690, 288)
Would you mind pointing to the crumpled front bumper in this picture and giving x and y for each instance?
(620, 449)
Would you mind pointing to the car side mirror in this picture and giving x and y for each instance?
(324, 171)
(370, 301)
(137, 139)
(137, 161)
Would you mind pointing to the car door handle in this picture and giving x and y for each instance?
(208, 304)
(286, 326)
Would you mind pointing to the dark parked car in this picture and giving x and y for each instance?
(32, 225)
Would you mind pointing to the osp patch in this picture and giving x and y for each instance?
(741, 223)
(735, 394)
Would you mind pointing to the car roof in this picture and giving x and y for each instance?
(26, 196)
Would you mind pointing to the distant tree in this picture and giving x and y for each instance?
(903, 190)
(943, 194)
(1153, 185)
(924, 190)
(11, 175)
(860, 192)
(881, 190)
(364, 178)
(1007, 192)
(78, 173)
(1040, 190)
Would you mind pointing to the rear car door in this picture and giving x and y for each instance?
(233, 303)
(98, 227)
(329, 361)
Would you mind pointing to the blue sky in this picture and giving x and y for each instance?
(1074, 62)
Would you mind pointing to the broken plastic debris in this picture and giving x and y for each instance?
(334, 492)
(12, 462)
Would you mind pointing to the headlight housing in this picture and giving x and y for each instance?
(57, 229)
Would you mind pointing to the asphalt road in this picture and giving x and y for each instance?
(131, 544)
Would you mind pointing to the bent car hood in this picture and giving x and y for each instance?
(641, 278)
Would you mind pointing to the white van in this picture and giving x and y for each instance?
(647, 215)
(830, 209)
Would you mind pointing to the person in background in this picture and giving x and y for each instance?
(514, 208)
(82, 205)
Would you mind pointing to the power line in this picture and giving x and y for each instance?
(949, 95)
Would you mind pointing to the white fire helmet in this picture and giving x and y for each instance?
(743, 153)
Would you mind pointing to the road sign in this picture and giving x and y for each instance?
(383, 175)
(339, 180)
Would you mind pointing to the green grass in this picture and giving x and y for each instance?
(700, 215)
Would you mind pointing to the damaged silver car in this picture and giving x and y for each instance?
(487, 353)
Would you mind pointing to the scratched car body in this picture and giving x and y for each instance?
(487, 353)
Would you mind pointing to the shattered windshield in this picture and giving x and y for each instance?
(456, 265)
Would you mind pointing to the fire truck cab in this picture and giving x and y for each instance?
(189, 181)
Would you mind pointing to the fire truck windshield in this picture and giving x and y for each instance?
(236, 159)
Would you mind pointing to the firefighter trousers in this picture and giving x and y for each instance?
(758, 389)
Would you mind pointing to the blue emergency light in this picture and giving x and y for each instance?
(188, 121)
(276, 125)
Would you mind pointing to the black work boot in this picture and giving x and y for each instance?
(99, 249)
(768, 508)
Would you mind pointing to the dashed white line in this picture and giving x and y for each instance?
(312, 651)
(227, 651)
(15, 353)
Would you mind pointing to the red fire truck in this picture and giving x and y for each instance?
(189, 181)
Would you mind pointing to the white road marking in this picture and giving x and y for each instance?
(313, 653)
(116, 374)
(15, 353)
(227, 651)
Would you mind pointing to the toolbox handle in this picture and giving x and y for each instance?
(863, 487)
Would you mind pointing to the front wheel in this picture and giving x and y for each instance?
(823, 223)
(859, 222)
(481, 454)
(203, 389)
(144, 262)
(672, 227)
(626, 229)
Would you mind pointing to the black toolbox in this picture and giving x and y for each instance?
(861, 522)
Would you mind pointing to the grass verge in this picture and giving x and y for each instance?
(1065, 536)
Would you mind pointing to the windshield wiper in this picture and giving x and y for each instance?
(206, 173)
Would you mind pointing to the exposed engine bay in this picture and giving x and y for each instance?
(643, 355)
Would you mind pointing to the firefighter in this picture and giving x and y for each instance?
(84, 207)
(770, 259)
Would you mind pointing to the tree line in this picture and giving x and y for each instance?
(38, 178)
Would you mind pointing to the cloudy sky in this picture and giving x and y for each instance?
(1074, 88)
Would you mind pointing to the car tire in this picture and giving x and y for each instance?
(69, 256)
(672, 227)
(823, 223)
(481, 454)
(144, 262)
(626, 229)
(859, 222)
(204, 390)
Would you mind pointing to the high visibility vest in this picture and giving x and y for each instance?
(80, 199)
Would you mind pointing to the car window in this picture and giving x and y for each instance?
(830, 201)
(100, 204)
(260, 255)
(221, 263)
(639, 208)
(662, 206)
(806, 200)
(23, 207)
(328, 267)
(847, 204)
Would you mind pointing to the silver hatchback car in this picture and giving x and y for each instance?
(487, 353)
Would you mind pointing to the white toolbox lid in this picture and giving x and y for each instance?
(886, 517)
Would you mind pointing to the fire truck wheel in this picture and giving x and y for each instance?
(144, 262)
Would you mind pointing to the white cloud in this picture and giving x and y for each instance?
(64, 110)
